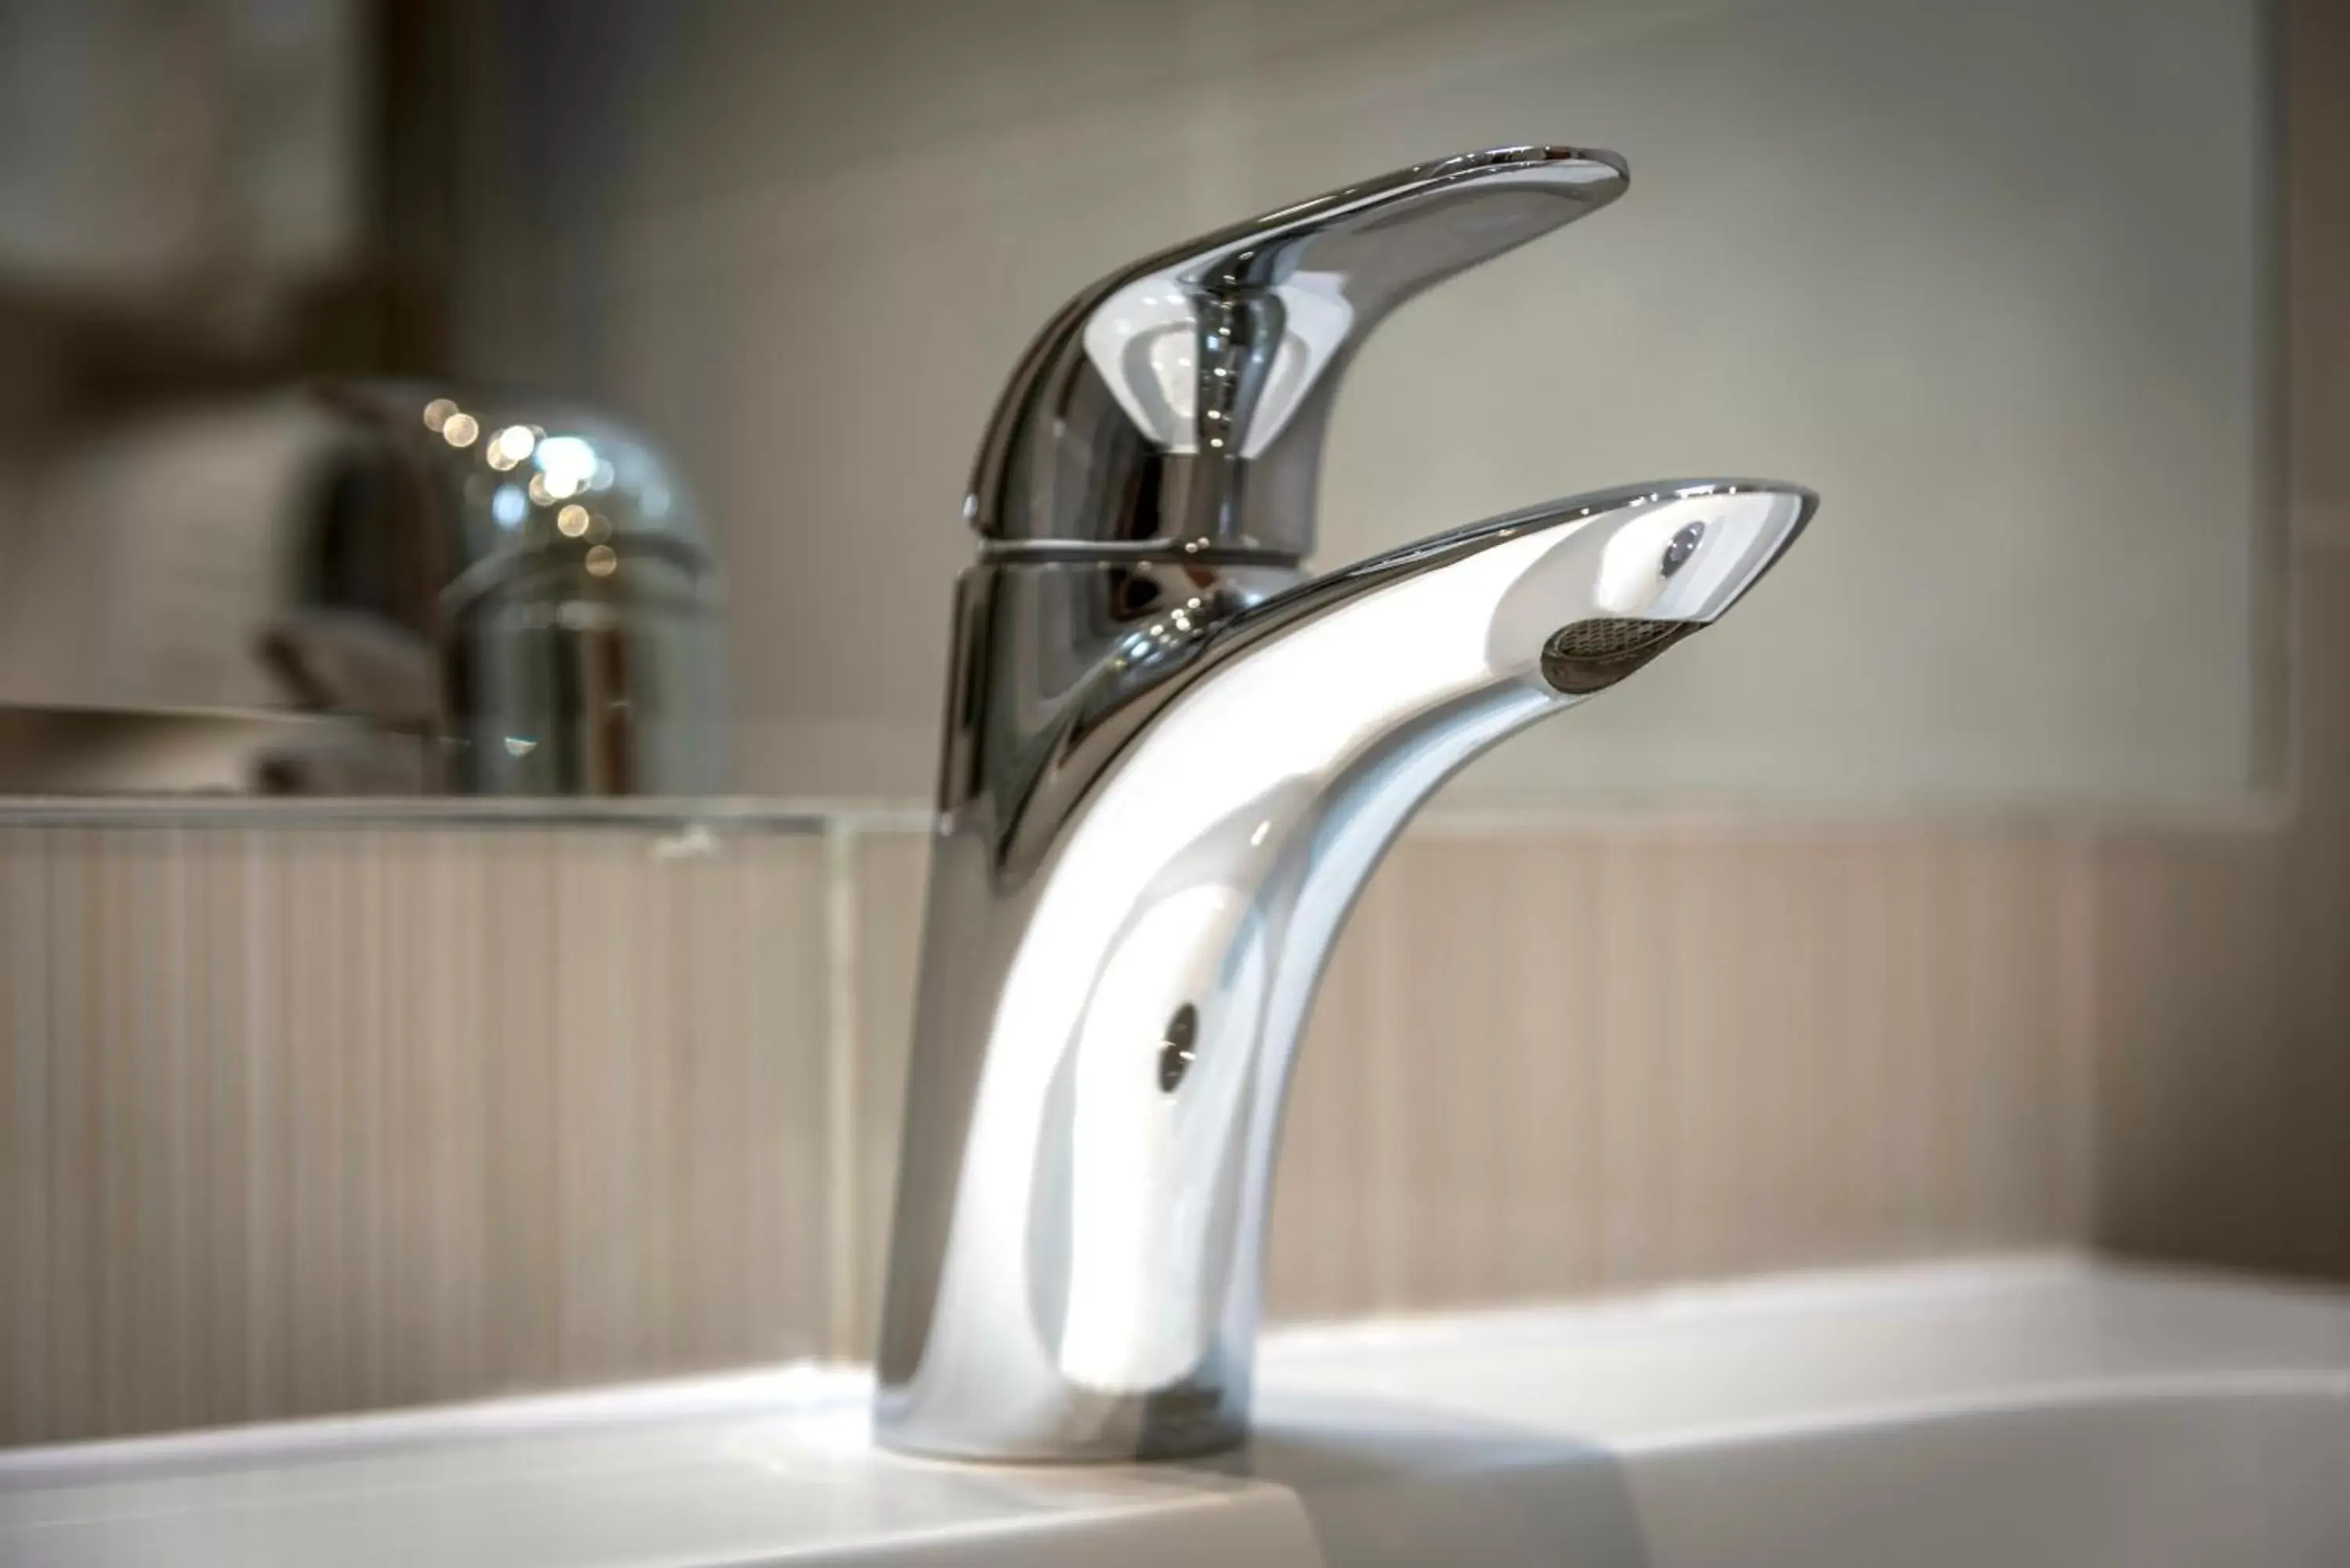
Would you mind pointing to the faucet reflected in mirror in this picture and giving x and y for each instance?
(366, 589)
(1172, 758)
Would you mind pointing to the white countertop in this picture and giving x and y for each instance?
(776, 1465)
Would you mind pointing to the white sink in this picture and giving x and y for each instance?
(2020, 1412)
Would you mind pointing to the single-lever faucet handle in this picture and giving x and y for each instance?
(1177, 407)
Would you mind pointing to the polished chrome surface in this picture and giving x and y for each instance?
(1180, 403)
(1171, 761)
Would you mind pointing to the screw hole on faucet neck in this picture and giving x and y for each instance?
(1176, 1051)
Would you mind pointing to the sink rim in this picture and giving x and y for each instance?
(716, 1469)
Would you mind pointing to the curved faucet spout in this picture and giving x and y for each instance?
(1089, 1285)
(1171, 762)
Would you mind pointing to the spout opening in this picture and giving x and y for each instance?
(1591, 655)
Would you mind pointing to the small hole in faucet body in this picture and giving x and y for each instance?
(1176, 1051)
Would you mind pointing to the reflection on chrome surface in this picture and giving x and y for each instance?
(399, 590)
(577, 643)
(1172, 760)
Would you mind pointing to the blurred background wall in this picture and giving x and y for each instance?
(315, 1116)
(1916, 254)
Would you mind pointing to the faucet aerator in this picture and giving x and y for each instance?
(1592, 654)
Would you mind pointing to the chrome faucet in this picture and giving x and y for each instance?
(1172, 760)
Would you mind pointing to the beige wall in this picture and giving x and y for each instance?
(304, 1120)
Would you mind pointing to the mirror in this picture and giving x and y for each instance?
(1997, 279)
(366, 589)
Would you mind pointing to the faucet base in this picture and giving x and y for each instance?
(1175, 1424)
